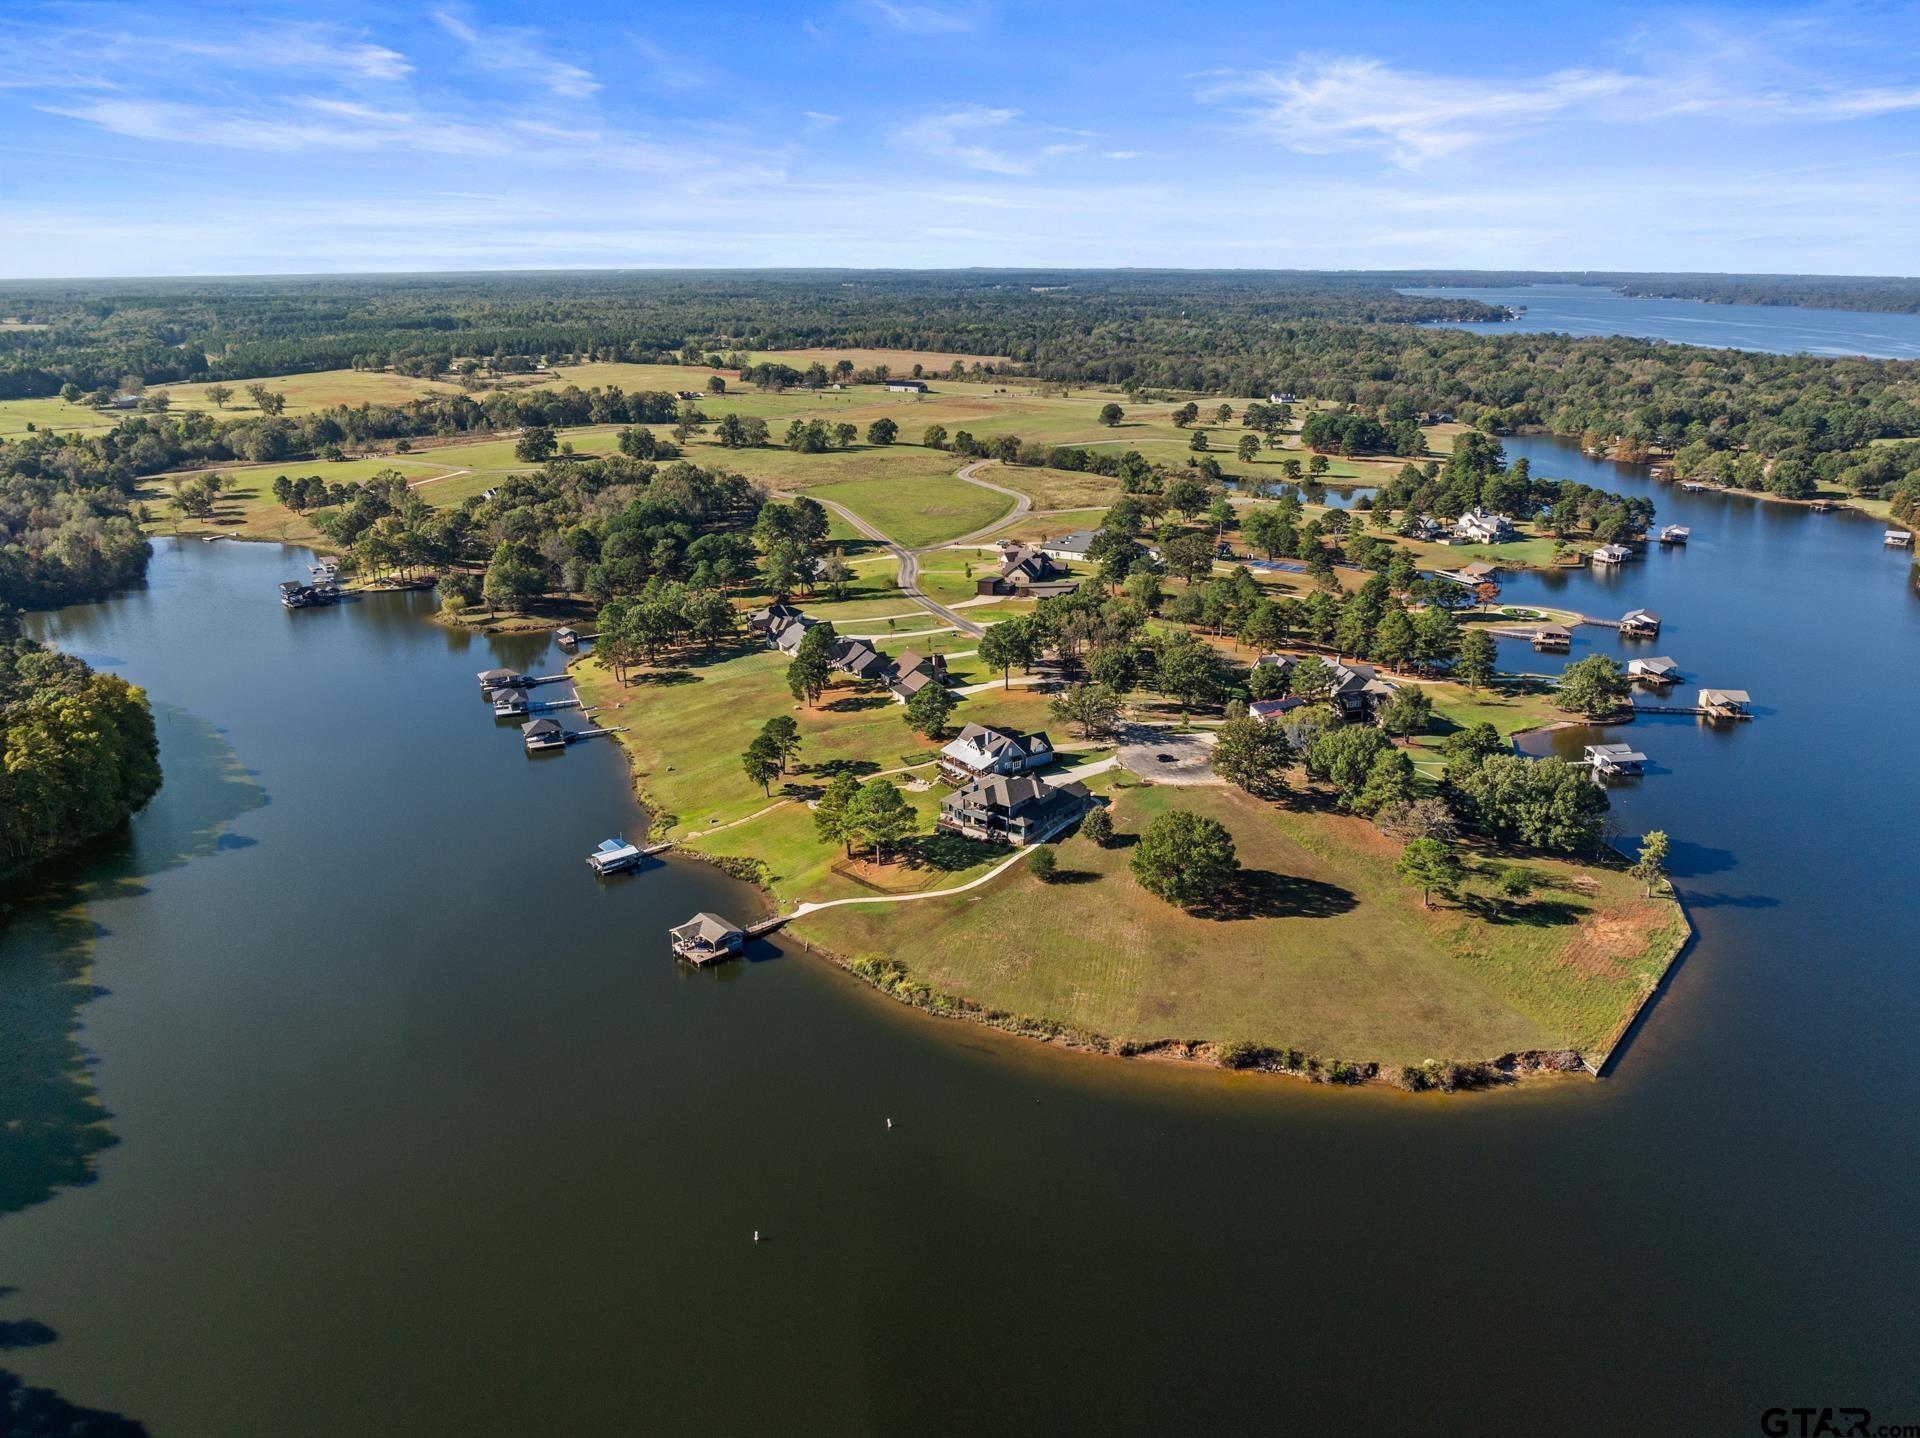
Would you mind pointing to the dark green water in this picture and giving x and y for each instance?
(416, 1129)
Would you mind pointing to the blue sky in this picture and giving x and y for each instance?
(251, 138)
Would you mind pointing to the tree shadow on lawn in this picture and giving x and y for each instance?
(950, 853)
(853, 703)
(1536, 913)
(663, 678)
(834, 768)
(1263, 894)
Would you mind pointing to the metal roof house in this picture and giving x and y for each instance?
(981, 749)
(1640, 624)
(907, 386)
(1614, 759)
(1658, 670)
(1274, 709)
(1069, 548)
(613, 855)
(1017, 809)
(705, 938)
(1612, 554)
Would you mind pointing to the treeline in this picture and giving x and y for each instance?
(1892, 294)
(1345, 339)
(163, 330)
(79, 747)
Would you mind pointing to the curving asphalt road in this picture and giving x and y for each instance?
(909, 559)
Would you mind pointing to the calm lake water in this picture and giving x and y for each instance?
(415, 1128)
(1776, 329)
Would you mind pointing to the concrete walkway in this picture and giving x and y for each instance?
(993, 873)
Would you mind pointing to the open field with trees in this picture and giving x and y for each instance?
(1318, 948)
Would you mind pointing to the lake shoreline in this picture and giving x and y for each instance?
(890, 978)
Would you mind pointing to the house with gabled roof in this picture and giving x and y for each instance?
(982, 749)
(773, 618)
(1013, 809)
(787, 637)
(913, 672)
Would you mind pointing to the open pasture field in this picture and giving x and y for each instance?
(1320, 947)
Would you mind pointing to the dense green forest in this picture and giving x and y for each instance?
(79, 750)
(163, 330)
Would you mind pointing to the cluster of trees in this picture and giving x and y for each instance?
(79, 749)
(875, 815)
(68, 526)
(1343, 432)
(1476, 473)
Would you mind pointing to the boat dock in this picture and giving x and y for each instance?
(616, 855)
(492, 679)
(707, 938)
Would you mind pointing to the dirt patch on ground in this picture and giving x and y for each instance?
(1604, 943)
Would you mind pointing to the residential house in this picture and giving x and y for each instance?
(982, 750)
(1358, 691)
(787, 637)
(1075, 548)
(1479, 527)
(1013, 809)
(1027, 572)
(772, 619)
(912, 673)
(859, 659)
(1426, 527)
(1640, 624)
(1612, 554)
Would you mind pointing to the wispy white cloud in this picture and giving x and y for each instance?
(506, 50)
(908, 19)
(323, 125)
(1324, 105)
(294, 47)
(988, 138)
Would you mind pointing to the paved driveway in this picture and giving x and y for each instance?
(1168, 756)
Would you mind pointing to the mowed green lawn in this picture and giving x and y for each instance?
(1328, 953)
(687, 726)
